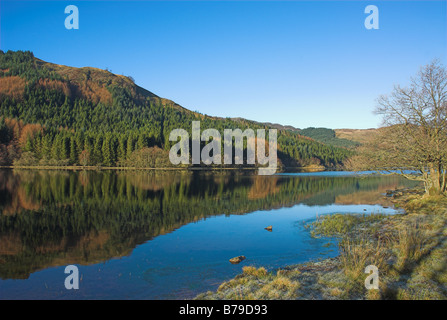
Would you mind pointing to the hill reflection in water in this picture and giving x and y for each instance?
(51, 219)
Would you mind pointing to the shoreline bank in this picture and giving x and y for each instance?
(179, 168)
(409, 249)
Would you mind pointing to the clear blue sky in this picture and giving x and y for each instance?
(300, 63)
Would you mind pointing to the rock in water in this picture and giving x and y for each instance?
(269, 228)
(237, 259)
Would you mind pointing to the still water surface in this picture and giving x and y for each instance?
(146, 235)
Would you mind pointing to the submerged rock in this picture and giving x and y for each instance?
(389, 193)
(237, 259)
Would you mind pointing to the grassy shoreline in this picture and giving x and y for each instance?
(410, 251)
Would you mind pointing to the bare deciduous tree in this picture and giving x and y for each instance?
(414, 133)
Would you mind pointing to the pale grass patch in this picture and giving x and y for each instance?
(356, 254)
(410, 245)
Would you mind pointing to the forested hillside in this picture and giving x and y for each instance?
(58, 115)
(329, 137)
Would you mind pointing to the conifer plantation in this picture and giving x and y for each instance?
(53, 115)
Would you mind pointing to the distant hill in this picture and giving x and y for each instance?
(52, 114)
(324, 135)
(356, 135)
(329, 137)
(276, 126)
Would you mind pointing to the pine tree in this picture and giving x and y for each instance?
(142, 141)
(55, 150)
(121, 153)
(65, 146)
(97, 150)
(129, 146)
(73, 151)
(106, 152)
